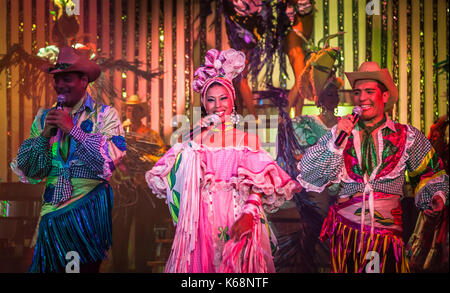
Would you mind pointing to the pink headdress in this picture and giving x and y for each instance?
(221, 67)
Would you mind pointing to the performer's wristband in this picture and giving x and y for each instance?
(252, 205)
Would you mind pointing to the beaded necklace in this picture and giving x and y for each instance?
(228, 126)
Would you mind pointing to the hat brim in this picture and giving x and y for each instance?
(382, 76)
(143, 105)
(90, 68)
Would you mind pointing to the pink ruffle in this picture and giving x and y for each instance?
(259, 172)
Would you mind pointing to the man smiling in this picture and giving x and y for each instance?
(76, 161)
(365, 226)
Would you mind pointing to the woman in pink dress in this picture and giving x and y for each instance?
(219, 184)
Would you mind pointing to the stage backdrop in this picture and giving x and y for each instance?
(408, 37)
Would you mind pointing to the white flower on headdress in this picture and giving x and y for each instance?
(217, 64)
(234, 63)
(227, 64)
(49, 53)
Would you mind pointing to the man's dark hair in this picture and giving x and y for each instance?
(381, 86)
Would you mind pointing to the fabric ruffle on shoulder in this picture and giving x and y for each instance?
(157, 177)
(259, 171)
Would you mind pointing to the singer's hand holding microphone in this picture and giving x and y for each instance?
(203, 124)
(345, 125)
(57, 118)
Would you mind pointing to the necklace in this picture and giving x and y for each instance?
(228, 126)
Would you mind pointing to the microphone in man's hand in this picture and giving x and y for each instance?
(357, 111)
(208, 120)
(60, 100)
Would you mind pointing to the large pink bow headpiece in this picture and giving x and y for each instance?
(221, 65)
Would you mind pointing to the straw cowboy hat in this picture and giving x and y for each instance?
(371, 70)
(318, 73)
(70, 60)
(134, 100)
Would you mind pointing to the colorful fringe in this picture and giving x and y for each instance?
(345, 242)
(84, 227)
(246, 255)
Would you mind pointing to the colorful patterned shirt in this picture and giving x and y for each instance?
(401, 148)
(75, 163)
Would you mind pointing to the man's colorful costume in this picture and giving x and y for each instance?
(77, 201)
(367, 218)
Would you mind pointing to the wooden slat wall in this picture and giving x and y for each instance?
(403, 64)
(442, 39)
(154, 100)
(168, 69)
(3, 103)
(160, 26)
(27, 116)
(14, 100)
(131, 45)
(143, 89)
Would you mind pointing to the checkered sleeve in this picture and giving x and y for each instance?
(321, 164)
(426, 170)
(101, 150)
(34, 159)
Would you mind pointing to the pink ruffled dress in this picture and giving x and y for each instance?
(205, 189)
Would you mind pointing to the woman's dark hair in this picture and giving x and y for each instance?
(329, 98)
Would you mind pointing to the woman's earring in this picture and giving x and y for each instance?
(234, 117)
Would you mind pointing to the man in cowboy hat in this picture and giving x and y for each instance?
(365, 226)
(76, 161)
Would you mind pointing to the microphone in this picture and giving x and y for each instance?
(341, 137)
(211, 119)
(60, 100)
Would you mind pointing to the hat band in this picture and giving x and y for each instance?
(60, 66)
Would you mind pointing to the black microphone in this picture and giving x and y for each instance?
(341, 137)
(60, 100)
(211, 119)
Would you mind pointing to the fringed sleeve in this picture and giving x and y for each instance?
(257, 171)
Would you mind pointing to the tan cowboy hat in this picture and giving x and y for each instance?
(134, 100)
(318, 73)
(70, 60)
(371, 70)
